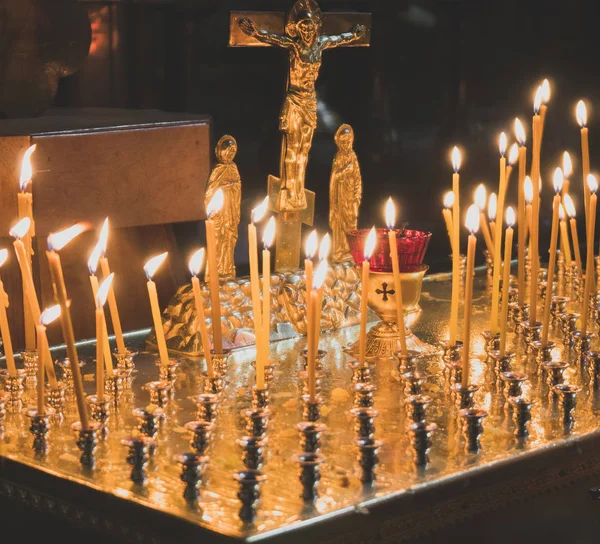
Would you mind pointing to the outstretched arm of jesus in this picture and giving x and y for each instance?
(355, 33)
(262, 35)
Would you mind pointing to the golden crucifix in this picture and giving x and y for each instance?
(301, 34)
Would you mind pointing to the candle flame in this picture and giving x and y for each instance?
(567, 165)
(103, 238)
(215, 204)
(561, 213)
(103, 290)
(510, 217)
(559, 178)
(320, 275)
(528, 190)
(196, 262)
(492, 207)
(449, 200)
(569, 206)
(259, 212)
(456, 159)
(325, 247)
(58, 240)
(152, 265)
(370, 243)
(502, 145)
(472, 221)
(311, 245)
(269, 233)
(390, 213)
(480, 196)
(513, 154)
(592, 183)
(21, 228)
(50, 314)
(545, 91)
(26, 168)
(94, 258)
(537, 101)
(520, 132)
(581, 113)
(3, 256)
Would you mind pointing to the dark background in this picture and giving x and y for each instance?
(438, 73)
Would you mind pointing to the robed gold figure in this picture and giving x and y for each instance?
(298, 118)
(225, 176)
(345, 193)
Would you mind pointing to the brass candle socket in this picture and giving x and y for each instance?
(421, 438)
(87, 442)
(257, 421)
(473, 428)
(303, 375)
(593, 363)
(558, 307)
(148, 420)
(454, 371)
(514, 382)
(413, 382)
(554, 372)
(115, 385)
(160, 392)
(311, 408)
(56, 397)
(253, 450)
(532, 332)
(416, 407)
(168, 371)
(569, 327)
(522, 409)
(30, 365)
(310, 435)
(40, 427)
(361, 373)
(363, 395)
(207, 406)
(520, 317)
(67, 374)
(542, 353)
(14, 386)
(100, 412)
(125, 360)
(4, 399)
(260, 398)
(215, 385)
(368, 458)
(407, 362)
(269, 369)
(465, 395)
(568, 396)
(452, 353)
(583, 342)
(249, 493)
(501, 364)
(318, 359)
(492, 342)
(138, 457)
(200, 433)
(309, 474)
(364, 422)
(193, 466)
(220, 361)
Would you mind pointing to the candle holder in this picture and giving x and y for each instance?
(473, 428)
(138, 457)
(30, 364)
(554, 372)
(407, 362)
(215, 385)
(532, 332)
(207, 406)
(452, 353)
(87, 442)
(320, 355)
(522, 408)
(160, 392)
(168, 371)
(249, 492)
(67, 374)
(193, 466)
(303, 375)
(541, 352)
(260, 398)
(368, 458)
(568, 396)
(100, 412)
(364, 422)
(501, 364)
(311, 410)
(361, 373)
(421, 438)
(489, 265)
(220, 361)
(558, 307)
(4, 399)
(413, 382)
(363, 397)
(309, 474)
(257, 421)
(14, 386)
(269, 369)
(465, 395)
(520, 317)
(125, 360)
(593, 361)
(583, 342)
(541, 291)
(514, 382)
(253, 449)
(569, 328)
(115, 385)
(148, 420)
(492, 342)
(310, 435)
(454, 371)
(416, 407)
(201, 433)
(40, 427)
(57, 399)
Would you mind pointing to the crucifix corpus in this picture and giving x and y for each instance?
(305, 33)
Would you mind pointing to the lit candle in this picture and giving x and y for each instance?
(257, 214)
(480, 201)
(498, 238)
(535, 214)
(472, 224)
(456, 160)
(492, 207)
(101, 296)
(521, 223)
(46, 317)
(513, 157)
(558, 182)
(508, 241)
(564, 235)
(4, 328)
(17, 232)
(582, 119)
(390, 219)
(268, 237)
(150, 269)
(214, 206)
(112, 300)
(92, 267)
(528, 195)
(545, 87)
(310, 251)
(314, 328)
(447, 213)
(567, 172)
(570, 209)
(57, 241)
(368, 251)
(195, 265)
(589, 267)
(25, 209)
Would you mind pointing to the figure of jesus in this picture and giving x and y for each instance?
(298, 118)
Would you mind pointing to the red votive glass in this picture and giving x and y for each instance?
(411, 244)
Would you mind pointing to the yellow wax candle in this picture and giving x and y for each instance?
(456, 160)
(368, 251)
(447, 213)
(314, 324)
(17, 232)
(564, 235)
(508, 241)
(390, 219)
(535, 176)
(150, 269)
(545, 96)
(498, 239)
(472, 224)
(41, 335)
(589, 267)
(4, 328)
(268, 238)
(492, 208)
(214, 206)
(480, 200)
(558, 181)
(106, 348)
(310, 251)
(56, 242)
(570, 209)
(521, 222)
(581, 114)
(101, 334)
(195, 266)
(513, 157)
